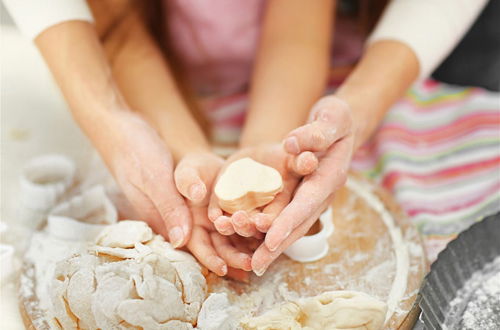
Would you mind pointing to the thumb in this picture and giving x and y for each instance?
(189, 182)
(173, 211)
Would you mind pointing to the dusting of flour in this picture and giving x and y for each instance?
(477, 304)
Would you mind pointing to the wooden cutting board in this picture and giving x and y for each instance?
(361, 257)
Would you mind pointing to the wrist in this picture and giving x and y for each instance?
(363, 123)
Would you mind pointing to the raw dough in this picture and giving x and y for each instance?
(92, 206)
(217, 313)
(130, 279)
(333, 310)
(125, 234)
(246, 185)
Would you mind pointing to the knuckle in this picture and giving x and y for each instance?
(168, 211)
(318, 138)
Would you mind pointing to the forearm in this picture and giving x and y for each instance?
(385, 72)
(291, 68)
(74, 55)
(148, 85)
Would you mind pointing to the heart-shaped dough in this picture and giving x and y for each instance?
(246, 185)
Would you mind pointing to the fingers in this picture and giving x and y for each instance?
(247, 245)
(233, 257)
(201, 247)
(145, 209)
(172, 209)
(195, 174)
(330, 121)
(315, 136)
(242, 224)
(214, 210)
(264, 220)
(263, 257)
(177, 220)
(189, 183)
(224, 225)
(313, 191)
(304, 163)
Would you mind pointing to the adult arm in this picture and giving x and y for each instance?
(401, 50)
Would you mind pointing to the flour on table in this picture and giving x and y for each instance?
(477, 303)
(398, 244)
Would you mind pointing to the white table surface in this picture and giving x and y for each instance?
(34, 120)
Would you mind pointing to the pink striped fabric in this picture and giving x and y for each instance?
(438, 151)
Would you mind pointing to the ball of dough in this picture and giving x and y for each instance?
(333, 310)
(147, 285)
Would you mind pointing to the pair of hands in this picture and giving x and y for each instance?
(179, 204)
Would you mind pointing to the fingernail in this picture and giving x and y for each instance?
(240, 219)
(196, 192)
(176, 236)
(214, 214)
(273, 247)
(292, 145)
(224, 270)
(260, 272)
(261, 221)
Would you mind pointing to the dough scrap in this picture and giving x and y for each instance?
(125, 234)
(332, 310)
(130, 279)
(91, 207)
(217, 313)
(246, 185)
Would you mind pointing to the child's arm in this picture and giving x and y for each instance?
(289, 76)
(143, 75)
(291, 68)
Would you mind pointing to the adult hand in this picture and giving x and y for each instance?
(223, 255)
(254, 223)
(144, 170)
(329, 135)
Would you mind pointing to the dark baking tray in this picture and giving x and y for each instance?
(469, 252)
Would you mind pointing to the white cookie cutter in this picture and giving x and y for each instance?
(91, 206)
(83, 216)
(313, 247)
(43, 181)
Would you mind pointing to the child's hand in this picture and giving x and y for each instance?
(254, 223)
(330, 136)
(194, 177)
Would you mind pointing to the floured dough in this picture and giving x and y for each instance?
(333, 310)
(246, 185)
(217, 313)
(130, 279)
(92, 206)
(125, 234)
